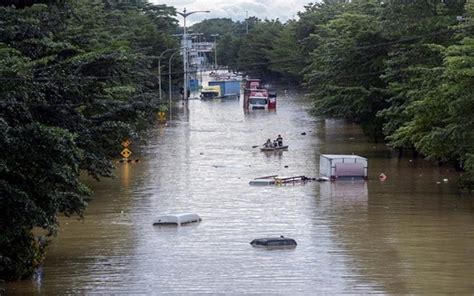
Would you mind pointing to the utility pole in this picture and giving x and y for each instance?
(159, 68)
(215, 49)
(185, 14)
(246, 22)
(169, 81)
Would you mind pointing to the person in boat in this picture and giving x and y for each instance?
(279, 140)
(268, 144)
(275, 143)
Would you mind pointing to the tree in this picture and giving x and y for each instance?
(76, 82)
(345, 69)
(254, 51)
(286, 56)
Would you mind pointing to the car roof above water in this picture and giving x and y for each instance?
(274, 242)
(177, 219)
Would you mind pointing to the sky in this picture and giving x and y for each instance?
(236, 9)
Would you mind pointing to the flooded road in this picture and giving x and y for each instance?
(408, 234)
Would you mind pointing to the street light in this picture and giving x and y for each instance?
(185, 14)
(159, 68)
(169, 80)
(215, 49)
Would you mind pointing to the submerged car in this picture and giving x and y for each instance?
(274, 242)
(177, 219)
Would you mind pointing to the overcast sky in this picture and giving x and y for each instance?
(236, 9)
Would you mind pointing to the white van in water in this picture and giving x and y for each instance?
(177, 219)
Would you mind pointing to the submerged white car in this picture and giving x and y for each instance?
(177, 219)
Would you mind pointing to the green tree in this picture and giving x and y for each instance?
(254, 53)
(345, 70)
(227, 51)
(287, 55)
(76, 81)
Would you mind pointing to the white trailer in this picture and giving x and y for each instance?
(335, 166)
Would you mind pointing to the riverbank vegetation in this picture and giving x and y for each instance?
(76, 80)
(401, 69)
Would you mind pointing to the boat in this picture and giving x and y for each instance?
(277, 148)
(277, 242)
(177, 219)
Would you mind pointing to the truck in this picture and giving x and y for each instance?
(210, 92)
(256, 97)
(341, 166)
(229, 89)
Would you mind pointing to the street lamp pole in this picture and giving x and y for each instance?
(159, 68)
(185, 14)
(215, 49)
(169, 81)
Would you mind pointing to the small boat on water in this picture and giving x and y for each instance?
(277, 148)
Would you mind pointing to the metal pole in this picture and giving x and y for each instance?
(215, 49)
(246, 22)
(185, 58)
(169, 80)
(159, 76)
(159, 68)
(184, 14)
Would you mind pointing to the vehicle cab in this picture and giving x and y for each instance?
(210, 92)
(258, 100)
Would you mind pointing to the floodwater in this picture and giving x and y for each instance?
(412, 233)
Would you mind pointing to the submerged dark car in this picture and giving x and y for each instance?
(274, 242)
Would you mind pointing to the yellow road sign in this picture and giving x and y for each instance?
(126, 143)
(161, 116)
(126, 152)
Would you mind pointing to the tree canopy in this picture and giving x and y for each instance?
(76, 81)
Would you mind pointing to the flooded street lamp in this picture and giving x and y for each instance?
(185, 14)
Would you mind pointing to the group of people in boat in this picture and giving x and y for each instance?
(278, 142)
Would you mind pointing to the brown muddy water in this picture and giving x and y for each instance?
(413, 233)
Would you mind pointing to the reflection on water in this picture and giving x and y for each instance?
(405, 235)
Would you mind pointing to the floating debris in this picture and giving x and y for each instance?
(276, 180)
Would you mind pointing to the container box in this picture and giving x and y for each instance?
(228, 87)
(335, 166)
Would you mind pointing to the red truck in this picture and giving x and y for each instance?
(256, 97)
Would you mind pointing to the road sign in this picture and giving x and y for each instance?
(126, 143)
(126, 152)
(161, 116)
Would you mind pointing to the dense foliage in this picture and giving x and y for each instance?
(402, 69)
(75, 81)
